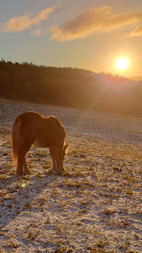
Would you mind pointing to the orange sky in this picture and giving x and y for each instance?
(82, 34)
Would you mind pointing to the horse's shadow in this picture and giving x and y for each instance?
(25, 194)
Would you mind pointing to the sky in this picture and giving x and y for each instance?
(85, 34)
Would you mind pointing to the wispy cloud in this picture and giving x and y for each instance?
(36, 33)
(136, 32)
(21, 23)
(96, 20)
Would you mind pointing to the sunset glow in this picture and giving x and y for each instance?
(100, 36)
(122, 63)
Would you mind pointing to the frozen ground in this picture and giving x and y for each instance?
(96, 207)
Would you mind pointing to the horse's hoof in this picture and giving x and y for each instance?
(19, 174)
(49, 172)
(65, 173)
(27, 172)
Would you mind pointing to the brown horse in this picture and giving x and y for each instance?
(31, 127)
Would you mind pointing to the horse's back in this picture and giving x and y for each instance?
(55, 124)
(44, 131)
(29, 116)
(30, 122)
(52, 132)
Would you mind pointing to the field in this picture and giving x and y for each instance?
(95, 207)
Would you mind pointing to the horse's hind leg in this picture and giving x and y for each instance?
(22, 168)
(25, 151)
(19, 171)
(26, 169)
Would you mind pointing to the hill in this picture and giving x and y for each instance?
(70, 87)
(95, 207)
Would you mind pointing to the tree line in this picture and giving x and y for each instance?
(70, 87)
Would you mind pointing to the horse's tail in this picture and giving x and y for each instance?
(16, 138)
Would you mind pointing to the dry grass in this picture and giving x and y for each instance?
(95, 207)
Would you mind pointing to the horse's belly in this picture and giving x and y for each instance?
(45, 143)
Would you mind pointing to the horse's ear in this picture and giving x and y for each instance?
(65, 147)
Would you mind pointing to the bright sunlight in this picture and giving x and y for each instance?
(122, 63)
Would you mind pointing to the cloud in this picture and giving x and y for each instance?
(94, 20)
(36, 33)
(39, 32)
(136, 32)
(22, 23)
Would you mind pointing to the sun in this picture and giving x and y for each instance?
(122, 63)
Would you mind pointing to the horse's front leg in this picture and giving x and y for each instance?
(60, 165)
(59, 159)
(53, 157)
